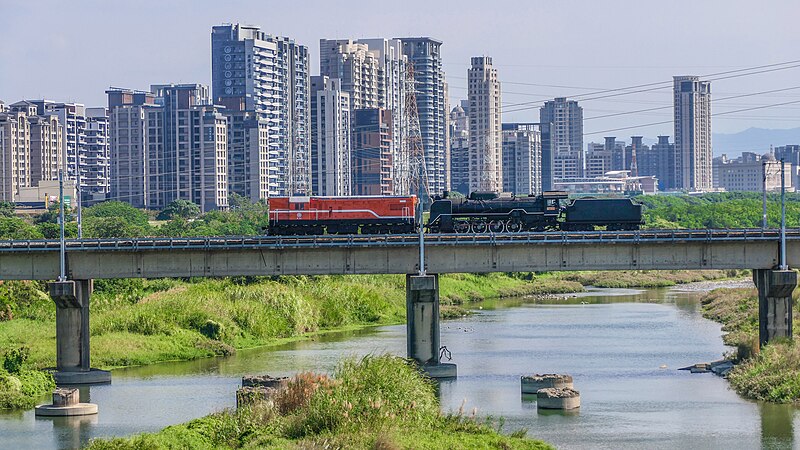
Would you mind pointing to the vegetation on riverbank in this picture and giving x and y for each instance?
(644, 278)
(21, 387)
(136, 322)
(379, 402)
(771, 374)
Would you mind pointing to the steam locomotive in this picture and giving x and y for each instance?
(481, 212)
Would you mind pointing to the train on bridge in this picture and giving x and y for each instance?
(481, 212)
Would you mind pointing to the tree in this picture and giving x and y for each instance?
(115, 209)
(6, 209)
(179, 208)
(16, 228)
(113, 227)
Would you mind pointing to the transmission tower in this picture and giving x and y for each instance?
(415, 178)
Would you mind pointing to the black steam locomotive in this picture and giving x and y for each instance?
(483, 212)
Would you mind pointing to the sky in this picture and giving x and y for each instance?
(74, 50)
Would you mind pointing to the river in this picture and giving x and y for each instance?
(615, 344)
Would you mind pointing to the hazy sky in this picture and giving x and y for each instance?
(74, 50)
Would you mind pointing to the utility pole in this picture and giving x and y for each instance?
(62, 254)
(783, 219)
(764, 194)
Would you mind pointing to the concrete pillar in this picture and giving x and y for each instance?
(422, 314)
(774, 303)
(72, 334)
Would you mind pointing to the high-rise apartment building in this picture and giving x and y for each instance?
(87, 165)
(330, 137)
(133, 116)
(459, 148)
(599, 160)
(47, 156)
(372, 72)
(485, 132)
(192, 155)
(95, 158)
(522, 158)
(268, 75)
(660, 162)
(565, 139)
(15, 158)
(693, 157)
(371, 154)
(249, 172)
(31, 149)
(424, 55)
(168, 145)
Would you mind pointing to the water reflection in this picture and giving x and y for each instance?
(777, 428)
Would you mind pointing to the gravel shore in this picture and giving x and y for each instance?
(705, 286)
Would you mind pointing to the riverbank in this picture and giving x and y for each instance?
(378, 402)
(771, 373)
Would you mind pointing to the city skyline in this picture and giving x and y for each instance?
(574, 63)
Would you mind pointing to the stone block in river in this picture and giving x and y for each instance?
(249, 395)
(66, 397)
(264, 381)
(531, 384)
(554, 398)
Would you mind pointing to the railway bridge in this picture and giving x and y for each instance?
(89, 259)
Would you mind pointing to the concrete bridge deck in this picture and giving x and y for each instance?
(383, 254)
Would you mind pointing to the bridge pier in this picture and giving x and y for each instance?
(72, 334)
(422, 332)
(774, 303)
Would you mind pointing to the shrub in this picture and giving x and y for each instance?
(14, 359)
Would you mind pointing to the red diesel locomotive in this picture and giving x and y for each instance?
(342, 215)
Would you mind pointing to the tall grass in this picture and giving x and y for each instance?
(375, 402)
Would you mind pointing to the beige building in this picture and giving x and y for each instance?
(31, 149)
(485, 128)
(15, 144)
(746, 173)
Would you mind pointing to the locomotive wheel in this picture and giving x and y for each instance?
(513, 226)
(497, 226)
(478, 227)
(461, 226)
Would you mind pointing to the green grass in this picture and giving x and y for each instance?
(378, 402)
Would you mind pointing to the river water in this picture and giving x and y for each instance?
(613, 342)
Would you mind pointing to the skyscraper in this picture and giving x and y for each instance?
(268, 75)
(330, 137)
(693, 157)
(424, 55)
(485, 134)
(372, 157)
(565, 139)
(522, 158)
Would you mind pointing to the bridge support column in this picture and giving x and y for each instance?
(422, 314)
(774, 303)
(72, 334)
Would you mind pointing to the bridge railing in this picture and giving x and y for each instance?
(280, 242)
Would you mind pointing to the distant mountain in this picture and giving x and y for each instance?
(755, 140)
